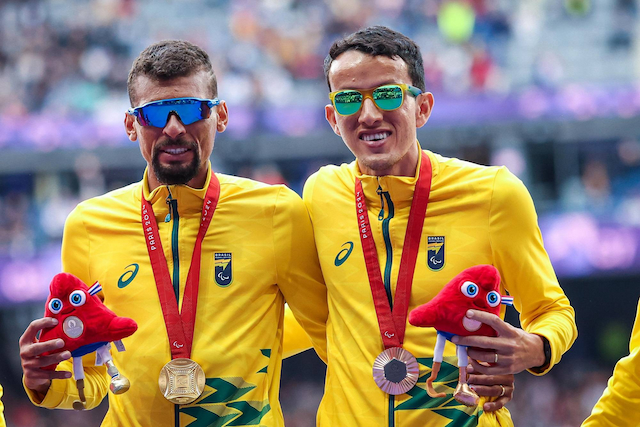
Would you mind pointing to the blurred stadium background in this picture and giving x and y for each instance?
(548, 88)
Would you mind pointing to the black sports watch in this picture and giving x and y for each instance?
(546, 347)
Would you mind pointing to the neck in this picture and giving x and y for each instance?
(406, 166)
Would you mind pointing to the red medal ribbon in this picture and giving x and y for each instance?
(393, 323)
(179, 325)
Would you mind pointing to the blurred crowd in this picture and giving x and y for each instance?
(69, 58)
(64, 63)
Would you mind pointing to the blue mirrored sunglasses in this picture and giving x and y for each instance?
(188, 110)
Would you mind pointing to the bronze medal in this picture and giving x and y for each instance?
(395, 371)
(181, 381)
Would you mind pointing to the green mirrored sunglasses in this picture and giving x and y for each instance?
(387, 97)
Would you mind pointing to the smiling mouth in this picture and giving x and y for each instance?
(470, 324)
(379, 136)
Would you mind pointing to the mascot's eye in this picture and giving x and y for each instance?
(77, 298)
(469, 289)
(493, 299)
(55, 305)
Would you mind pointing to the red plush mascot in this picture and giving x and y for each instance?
(474, 288)
(85, 325)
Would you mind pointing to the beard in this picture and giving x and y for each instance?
(175, 173)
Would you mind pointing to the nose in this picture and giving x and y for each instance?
(174, 127)
(370, 114)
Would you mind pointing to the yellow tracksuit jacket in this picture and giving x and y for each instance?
(2, 422)
(264, 236)
(476, 215)
(619, 405)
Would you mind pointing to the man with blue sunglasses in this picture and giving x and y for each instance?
(202, 261)
(392, 228)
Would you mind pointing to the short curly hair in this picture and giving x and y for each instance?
(170, 59)
(379, 40)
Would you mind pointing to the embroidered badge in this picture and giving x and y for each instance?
(223, 268)
(435, 252)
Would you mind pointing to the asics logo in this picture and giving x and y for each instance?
(343, 254)
(128, 276)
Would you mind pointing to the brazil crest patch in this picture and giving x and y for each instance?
(223, 268)
(435, 252)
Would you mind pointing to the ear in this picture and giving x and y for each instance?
(424, 106)
(330, 114)
(130, 126)
(223, 116)
(423, 316)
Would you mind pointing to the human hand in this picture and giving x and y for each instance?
(32, 360)
(500, 386)
(511, 352)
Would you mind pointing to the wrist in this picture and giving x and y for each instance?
(41, 390)
(544, 354)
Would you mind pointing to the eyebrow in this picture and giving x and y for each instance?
(393, 82)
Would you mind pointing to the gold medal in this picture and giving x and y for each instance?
(395, 371)
(181, 381)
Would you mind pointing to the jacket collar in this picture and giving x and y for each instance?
(189, 199)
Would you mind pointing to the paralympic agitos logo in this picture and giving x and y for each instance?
(435, 253)
(223, 268)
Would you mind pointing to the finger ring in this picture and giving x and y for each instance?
(503, 390)
(495, 358)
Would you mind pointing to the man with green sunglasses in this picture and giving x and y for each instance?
(393, 227)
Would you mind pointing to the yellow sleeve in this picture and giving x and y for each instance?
(307, 193)
(76, 247)
(62, 393)
(299, 275)
(295, 339)
(619, 405)
(2, 422)
(516, 243)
